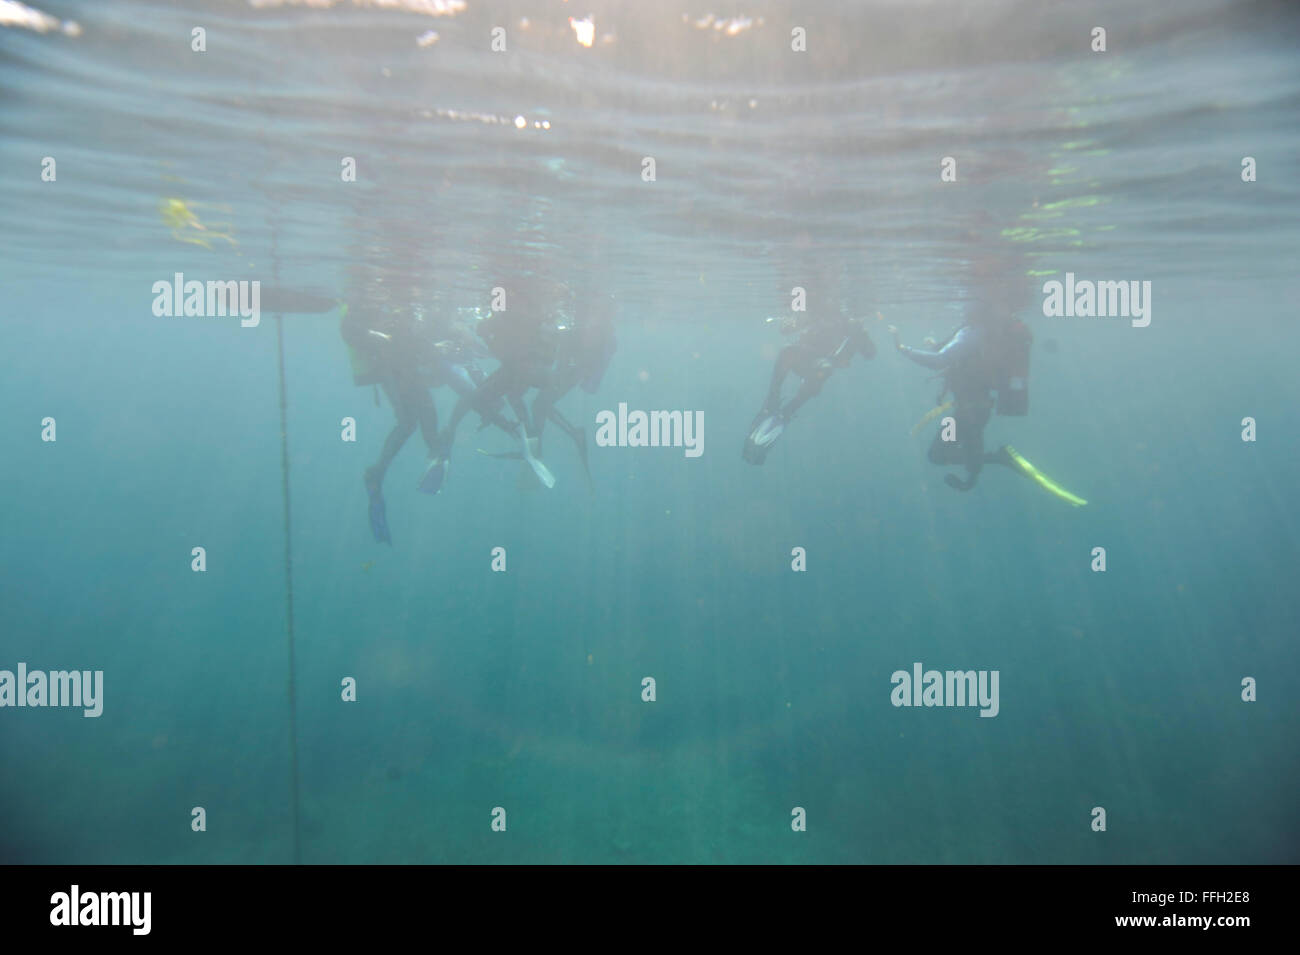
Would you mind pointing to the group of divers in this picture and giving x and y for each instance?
(543, 351)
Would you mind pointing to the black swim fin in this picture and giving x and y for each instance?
(752, 453)
(767, 428)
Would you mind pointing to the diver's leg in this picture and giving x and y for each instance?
(427, 414)
(442, 441)
(447, 436)
(810, 386)
(974, 447)
(785, 362)
(402, 429)
(515, 399)
(483, 398)
(543, 405)
(472, 398)
(1000, 456)
(576, 435)
(532, 448)
(944, 453)
(543, 402)
(972, 417)
(558, 383)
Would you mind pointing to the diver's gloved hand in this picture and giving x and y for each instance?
(898, 342)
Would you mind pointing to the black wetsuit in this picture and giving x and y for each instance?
(970, 363)
(525, 347)
(823, 345)
(393, 347)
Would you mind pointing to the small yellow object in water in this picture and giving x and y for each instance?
(931, 415)
(186, 226)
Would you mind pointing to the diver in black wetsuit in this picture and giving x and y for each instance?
(407, 356)
(585, 346)
(983, 356)
(386, 349)
(523, 339)
(823, 345)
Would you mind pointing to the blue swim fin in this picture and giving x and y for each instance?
(379, 518)
(434, 475)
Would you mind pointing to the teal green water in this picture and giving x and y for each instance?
(522, 689)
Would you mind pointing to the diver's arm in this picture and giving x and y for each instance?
(950, 354)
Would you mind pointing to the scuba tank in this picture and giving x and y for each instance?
(358, 339)
(1013, 380)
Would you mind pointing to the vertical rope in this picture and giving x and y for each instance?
(288, 563)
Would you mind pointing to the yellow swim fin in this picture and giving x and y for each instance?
(931, 415)
(1041, 479)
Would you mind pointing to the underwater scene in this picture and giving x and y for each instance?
(699, 432)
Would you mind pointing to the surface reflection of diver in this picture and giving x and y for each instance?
(823, 345)
(984, 365)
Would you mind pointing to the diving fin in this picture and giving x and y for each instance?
(434, 475)
(931, 415)
(768, 430)
(541, 470)
(1017, 462)
(378, 513)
